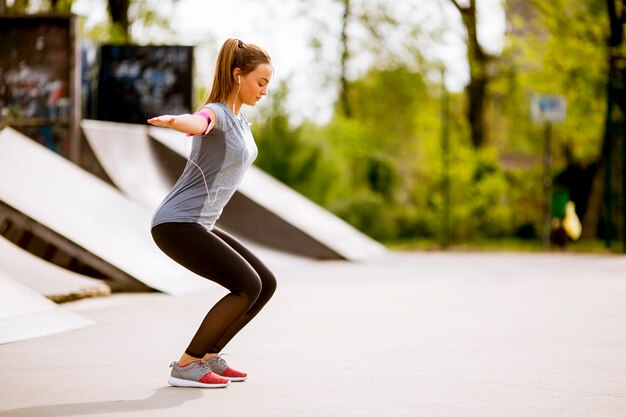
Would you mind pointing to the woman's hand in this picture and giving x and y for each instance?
(164, 121)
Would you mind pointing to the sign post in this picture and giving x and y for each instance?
(445, 159)
(547, 110)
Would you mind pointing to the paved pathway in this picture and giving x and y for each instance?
(415, 334)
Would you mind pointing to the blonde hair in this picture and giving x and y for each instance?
(234, 54)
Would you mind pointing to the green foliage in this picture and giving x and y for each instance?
(381, 170)
(150, 21)
(369, 212)
(481, 198)
(19, 7)
(294, 155)
(64, 6)
(381, 174)
(561, 50)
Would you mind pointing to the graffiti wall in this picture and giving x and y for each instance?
(35, 68)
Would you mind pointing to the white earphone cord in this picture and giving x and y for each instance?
(237, 95)
(206, 186)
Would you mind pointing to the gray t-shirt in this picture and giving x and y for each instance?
(216, 166)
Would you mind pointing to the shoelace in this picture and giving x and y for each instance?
(204, 365)
(219, 361)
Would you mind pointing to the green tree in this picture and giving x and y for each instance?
(379, 32)
(383, 146)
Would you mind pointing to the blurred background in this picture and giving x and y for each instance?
(432, 124)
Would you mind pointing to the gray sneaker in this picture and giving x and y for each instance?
(197, 374)
(220, 367)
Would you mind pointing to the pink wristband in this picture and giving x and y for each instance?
(208, 122)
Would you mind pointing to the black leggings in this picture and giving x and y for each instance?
(218, 256)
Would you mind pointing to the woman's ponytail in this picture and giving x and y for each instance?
(234, 54)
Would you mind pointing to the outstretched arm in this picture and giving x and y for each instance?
(191, 124)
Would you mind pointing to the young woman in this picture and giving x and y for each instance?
(184, 224)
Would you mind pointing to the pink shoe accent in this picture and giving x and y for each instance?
(231, 373)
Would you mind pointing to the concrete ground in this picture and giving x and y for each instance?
(414, 334)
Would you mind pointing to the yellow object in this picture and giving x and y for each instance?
(571, 223)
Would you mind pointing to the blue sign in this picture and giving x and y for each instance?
(548, 108)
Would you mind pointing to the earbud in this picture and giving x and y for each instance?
(239, 79)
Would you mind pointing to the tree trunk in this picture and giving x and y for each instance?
(118, 10)
(477, 90)
(345, 56)
(601, 192)
(479, 62)
(591, 220)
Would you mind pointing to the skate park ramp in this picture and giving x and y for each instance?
(47, 279)
(25, 314)
(263, 209)
(125, 153)
(86, 217)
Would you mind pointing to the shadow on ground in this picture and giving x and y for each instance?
(162, 398)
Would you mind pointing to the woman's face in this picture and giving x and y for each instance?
(254, 84)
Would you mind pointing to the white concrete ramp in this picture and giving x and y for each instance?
(124, 151)
(46, 278)
(85, 216)
(25, 314)
(267, 210)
